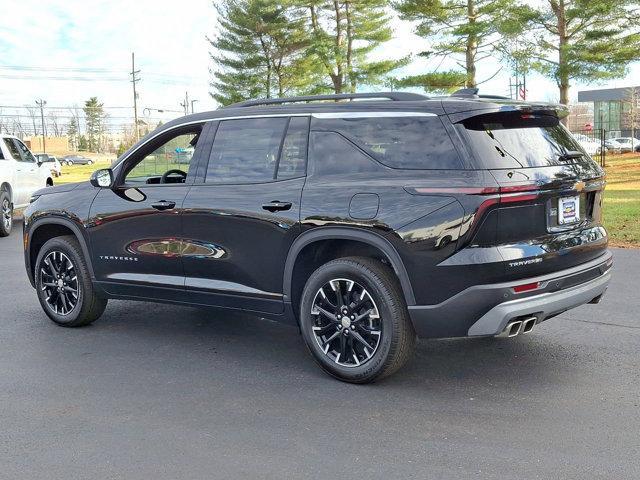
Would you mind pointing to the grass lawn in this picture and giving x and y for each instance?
(622, 200)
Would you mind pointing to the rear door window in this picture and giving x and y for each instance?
(246, 150)
(293, 158)
(517, 139)
(406, 141)
(332, 154)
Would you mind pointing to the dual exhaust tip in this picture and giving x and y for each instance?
(517, 327)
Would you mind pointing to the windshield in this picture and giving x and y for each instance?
(518, 139)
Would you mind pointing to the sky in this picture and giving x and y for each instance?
(89, 45)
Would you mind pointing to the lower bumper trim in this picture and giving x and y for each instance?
(541, 306)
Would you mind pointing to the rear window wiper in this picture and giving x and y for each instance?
(570, 155)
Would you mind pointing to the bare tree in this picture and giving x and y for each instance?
(630, 104)
(34, 116)
(56, 127)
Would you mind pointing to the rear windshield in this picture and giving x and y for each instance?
(517, 139)
(403, 142)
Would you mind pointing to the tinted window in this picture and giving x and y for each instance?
(294, 149)
(514, 139)
(333, 154)
(13, 149)
(245, 151)
(25, 154)
(409, 142)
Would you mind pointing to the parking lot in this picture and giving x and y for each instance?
(156, 391)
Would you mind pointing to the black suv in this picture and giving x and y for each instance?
(364, 219)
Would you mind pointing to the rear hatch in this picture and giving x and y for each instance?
(548, 212)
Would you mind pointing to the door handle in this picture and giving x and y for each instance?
(163, 205)
(276, 205)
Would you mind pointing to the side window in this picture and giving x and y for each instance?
(246, 151)
(332, 154)
(25, 154)
(168, 163)
(403, 142)
(293, 157)
(13, 149)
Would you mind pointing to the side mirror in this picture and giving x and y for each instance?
(102, 178)
(39, 162)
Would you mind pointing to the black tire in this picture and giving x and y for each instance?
(88, 305)
(6, 214)
(90, 162)
(396, 335)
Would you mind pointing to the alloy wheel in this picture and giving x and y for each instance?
(347, 324)
(59, 282)
(7, 214)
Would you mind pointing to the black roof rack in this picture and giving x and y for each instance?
(466, 92)
(394, 96)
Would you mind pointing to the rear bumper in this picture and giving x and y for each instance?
(485, 310)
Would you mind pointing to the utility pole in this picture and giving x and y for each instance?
(41, 103)
(192, 102)
(185, 104)
(135, 79)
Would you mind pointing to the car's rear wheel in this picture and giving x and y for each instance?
(64, 286)
(6, 212)
(354, 320)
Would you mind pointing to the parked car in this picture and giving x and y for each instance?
(76, 160)
(52, 162)
(364, 223)
(21, 174)
(590, 145)
(626, 144)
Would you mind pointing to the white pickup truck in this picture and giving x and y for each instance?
(20, 175)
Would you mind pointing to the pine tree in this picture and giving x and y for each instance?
(94, 119)
(72, 133)
(259, 51)
(467, 30)
(586, 40)
(343, 34)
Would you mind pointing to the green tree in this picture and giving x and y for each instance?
(436, 82)
(586, 40)
(94, 119)
(72, 133)
(259, 51)
(467, 30)
(83, 145)
(343, 34)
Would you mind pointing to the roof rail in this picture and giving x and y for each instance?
(497, 97)
(394, 96)
(466, 92)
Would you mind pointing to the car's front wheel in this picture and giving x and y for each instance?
(6, 212)
(354, 320)
(64, 285)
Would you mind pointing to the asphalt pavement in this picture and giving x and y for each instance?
(154, 391)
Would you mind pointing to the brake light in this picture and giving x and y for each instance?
(527, 287)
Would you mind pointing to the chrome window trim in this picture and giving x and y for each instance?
(386, 114)
(203, 121)
(319, 115)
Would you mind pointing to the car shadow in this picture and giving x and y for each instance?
(226, 344)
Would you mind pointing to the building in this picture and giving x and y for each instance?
(617, 110)
(57, 145)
